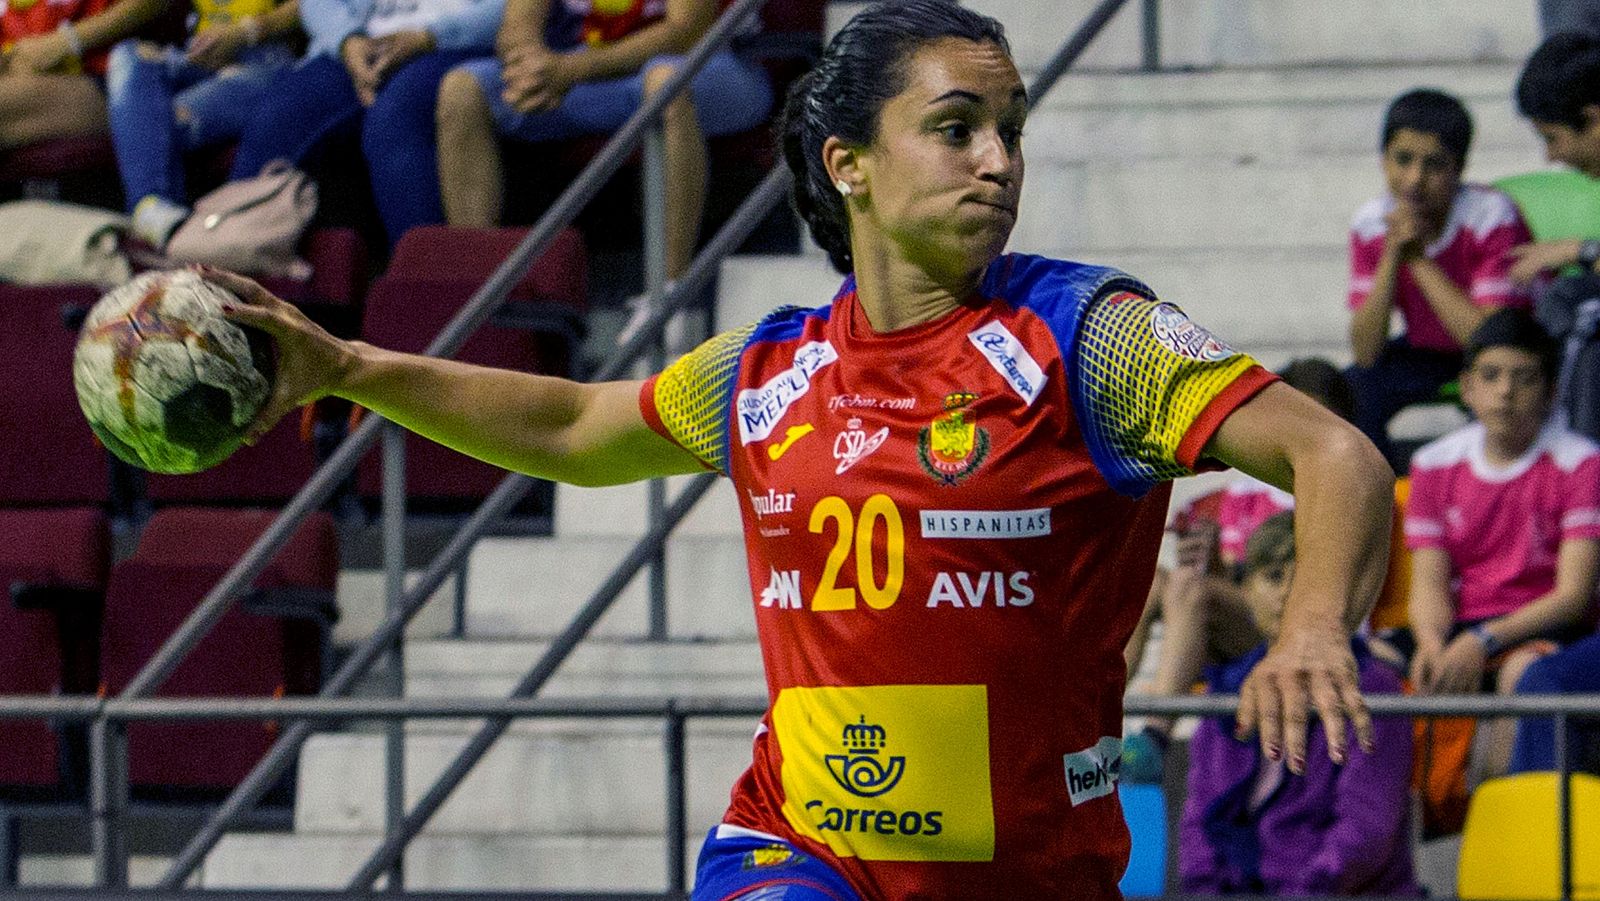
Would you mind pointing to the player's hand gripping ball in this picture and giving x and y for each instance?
(166, 382)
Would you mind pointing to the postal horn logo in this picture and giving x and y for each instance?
(859, 770)
(953, 445)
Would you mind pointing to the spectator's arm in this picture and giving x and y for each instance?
(1370, 801)
(119, 21)
(1461, 317)
(1431, 605)
(685, 23)
(1369, 319)
(472, 28)
(329, 22)
(1577, 566)
(523, 24)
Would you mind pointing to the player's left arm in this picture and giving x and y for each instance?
(1343, 502)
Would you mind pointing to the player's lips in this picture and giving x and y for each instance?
(995, 203)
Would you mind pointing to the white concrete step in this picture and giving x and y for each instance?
(52, 871)
(597, 668)
(621, 510)
(362, 606)
(503, 862)
(1212, 33)
(532, 587)
(1268, 115)
(573, 779)
(1078, 208)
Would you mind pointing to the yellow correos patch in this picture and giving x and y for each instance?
(889, 772)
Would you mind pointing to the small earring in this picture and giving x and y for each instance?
(844, 187)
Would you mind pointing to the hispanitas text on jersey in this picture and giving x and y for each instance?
(951, 530)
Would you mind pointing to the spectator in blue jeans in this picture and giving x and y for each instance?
(165, 102)
(533, 91)
(373, 69)
(1574, 669)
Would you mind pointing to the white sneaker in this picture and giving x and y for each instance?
(155, 219)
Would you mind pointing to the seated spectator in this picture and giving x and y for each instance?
(1503, 522)
(1206, 619)
(1559, 92)
(53, 61)
(533, 92)
(1574, 669)
(1248, 826)
(1431, 247)
(166, 102)
(372, 69)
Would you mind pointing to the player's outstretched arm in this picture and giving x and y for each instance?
(547, 427)
(1344, 498)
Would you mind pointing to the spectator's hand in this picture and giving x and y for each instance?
(217, 46)
(41, 53)
(1425, 663)
(390, 52)
(1197, 546)
(1460, 666)
(1309, 665)
(310, 361)
(358, 53)
(1529, 260)
(1404, 235)
(536, 79)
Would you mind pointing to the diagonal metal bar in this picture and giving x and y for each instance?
(733, 233)
(490, 732)
(1074, 47)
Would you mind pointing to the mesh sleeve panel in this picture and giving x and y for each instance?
(694, 394)
(1145, 374)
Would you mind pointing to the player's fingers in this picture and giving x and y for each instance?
(1330, 706)
(1269, 713)
(1292, 692)
(246, 289)
(1360, 717)
(1245, 719)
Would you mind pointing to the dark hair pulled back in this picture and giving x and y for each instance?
(861, 69)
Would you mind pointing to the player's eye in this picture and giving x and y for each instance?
(955, 132)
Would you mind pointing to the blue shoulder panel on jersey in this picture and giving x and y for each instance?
(785, 323)
(1059, 292)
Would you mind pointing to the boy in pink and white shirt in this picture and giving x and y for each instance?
(1504, 525)
(1431, 247)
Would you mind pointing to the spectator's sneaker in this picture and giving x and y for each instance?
(155, 219)
(1143, 758)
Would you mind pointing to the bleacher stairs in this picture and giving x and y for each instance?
(1227, 182)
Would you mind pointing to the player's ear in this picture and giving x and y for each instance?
(843, 163)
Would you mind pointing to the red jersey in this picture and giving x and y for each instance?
(26, 18)
(951, 530)
(609, 21)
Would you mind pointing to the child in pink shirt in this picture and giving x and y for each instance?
(1504, 525)
(1431, 247)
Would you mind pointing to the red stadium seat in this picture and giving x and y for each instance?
(434, 272)
(30, 664)
(54, 564)
(271, 643)
(48, 455)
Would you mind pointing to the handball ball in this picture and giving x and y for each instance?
(166, 382)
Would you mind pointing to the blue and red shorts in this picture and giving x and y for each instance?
(738, 864)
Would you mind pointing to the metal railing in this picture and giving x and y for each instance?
(675, 712)
(108, 789)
